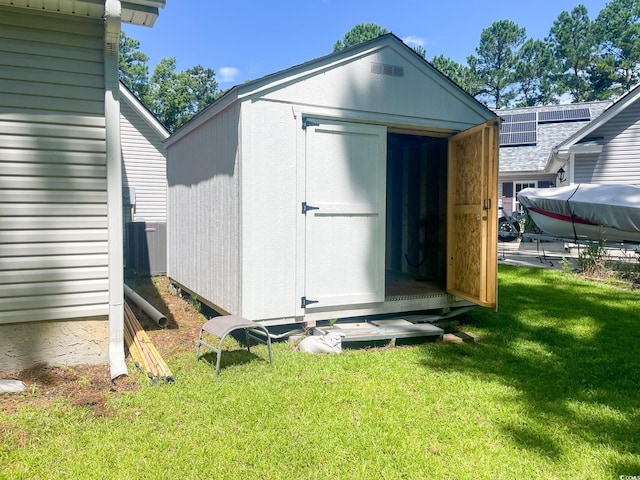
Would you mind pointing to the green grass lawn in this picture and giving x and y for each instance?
(552, 390)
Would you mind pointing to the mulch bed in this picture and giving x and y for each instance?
(89, 385)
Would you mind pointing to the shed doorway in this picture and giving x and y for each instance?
(416, 242)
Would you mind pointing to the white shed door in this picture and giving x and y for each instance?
(345, 170)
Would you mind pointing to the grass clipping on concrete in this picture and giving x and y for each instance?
(550, 391)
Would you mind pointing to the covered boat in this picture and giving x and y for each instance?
(610, 213)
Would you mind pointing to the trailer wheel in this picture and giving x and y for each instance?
(507, 232)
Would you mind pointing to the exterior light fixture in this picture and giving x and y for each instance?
(561, 175)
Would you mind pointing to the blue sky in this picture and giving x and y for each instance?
(248, 39)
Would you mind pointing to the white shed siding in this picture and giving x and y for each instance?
(619, 161)
(145, 165)
(271, 209)
(419, 97)
(204, 208)
(53, 200)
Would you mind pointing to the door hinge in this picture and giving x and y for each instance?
(308, 123)
(304, 301)
(306, 208)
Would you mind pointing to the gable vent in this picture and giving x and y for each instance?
(384, 69)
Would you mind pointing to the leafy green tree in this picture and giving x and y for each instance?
(177, 96)
(496, 60)
(202, 86)
(174, 97)
(134, 69)
(168, 95)
(358, 34)
(460, 74)
(364, 32)
(617, 30)
(574, 45)
(534, 73)
(419, 49)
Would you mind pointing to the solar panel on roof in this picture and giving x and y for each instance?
(513, 139)
(518, 129)
(566, 115)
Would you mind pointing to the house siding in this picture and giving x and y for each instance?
(144, 166)
(619, 161)
(203, 222)
(53, 191)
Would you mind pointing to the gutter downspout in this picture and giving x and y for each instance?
(112, 19)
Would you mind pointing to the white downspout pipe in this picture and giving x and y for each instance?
(571, 168)
(112, 18)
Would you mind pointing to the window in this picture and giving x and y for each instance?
(521, 186)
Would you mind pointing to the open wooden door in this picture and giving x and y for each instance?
(344, 208)
(472, 247)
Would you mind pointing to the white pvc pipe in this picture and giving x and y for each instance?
(146, 307)
(112, 13)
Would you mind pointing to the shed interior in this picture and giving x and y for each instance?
(416, 239)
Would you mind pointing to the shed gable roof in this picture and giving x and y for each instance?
(369, 54)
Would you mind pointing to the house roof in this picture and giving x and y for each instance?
(551, 128)
(139, 12)
(560, 153)
(304, 70)
(133, 101)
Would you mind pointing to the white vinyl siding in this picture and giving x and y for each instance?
(53, 199)
(619, 161)
(585, 169)
(145, 166)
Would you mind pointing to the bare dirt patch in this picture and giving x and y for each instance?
(90, 385)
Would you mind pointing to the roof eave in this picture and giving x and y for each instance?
(143, 112)
(201, 117)
(141, 12)
(138, 12)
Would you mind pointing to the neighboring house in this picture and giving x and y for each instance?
(61, 236)
(527, 135)
(355, 184)
(144, 160)
(607, 150)
(144, 183)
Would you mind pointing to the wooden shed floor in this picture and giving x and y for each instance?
(402, 286)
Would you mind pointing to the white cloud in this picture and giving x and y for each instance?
(228, 74)
(413, 41)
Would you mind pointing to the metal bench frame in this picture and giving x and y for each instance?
(226, 324)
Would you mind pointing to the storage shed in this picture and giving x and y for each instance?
(363, 182)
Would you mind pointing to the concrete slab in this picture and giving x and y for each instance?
(537, 254)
